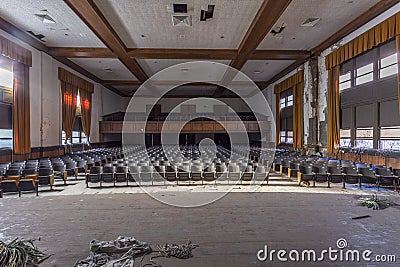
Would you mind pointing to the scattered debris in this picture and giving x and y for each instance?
(20, 253)
(123, 251)
(375, 203)
(360, 217)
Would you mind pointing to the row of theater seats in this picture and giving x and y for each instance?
(324, 170)
(30, 175)
(173, 164)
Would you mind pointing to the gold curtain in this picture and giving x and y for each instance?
(21, 109)
(69, 94)
(86, 110)
(333, 110)
(298, 116)
(384, 31)
(278, 119)
(68, 77)
(15, 52)
(398, 68)
(296, 82)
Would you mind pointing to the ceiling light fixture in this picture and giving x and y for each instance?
(45, 18)
(257, 72)
(310, 22)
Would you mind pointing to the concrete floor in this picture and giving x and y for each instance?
(229, 232)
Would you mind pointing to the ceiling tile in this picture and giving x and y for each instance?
(68, 30)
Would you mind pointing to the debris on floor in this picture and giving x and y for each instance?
(123, 251)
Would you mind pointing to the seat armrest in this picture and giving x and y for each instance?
(51, 176)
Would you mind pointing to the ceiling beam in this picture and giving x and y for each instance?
(22, 35)
(355, 24)
(171, 53)
(82, 52)
(94, 19)
(260, 84)
(265, 19)
(262, 24)
(279, 55)
(28, 39)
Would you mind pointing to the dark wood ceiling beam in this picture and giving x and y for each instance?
(262, 24)
(82, 52)
(358, 22)
(279, 55)
(92, 17)
(23, 36)
(170, 53)
(265, 19)
(260, 84)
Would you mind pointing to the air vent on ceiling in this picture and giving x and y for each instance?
(181, 20)
(45, 18)
(180, 8)
(207, 14)
(37, 36)
(108, 70)
(310, 22)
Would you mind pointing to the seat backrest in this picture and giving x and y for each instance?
(109, 169)
(366, 171)
(121, 169)
(146, 169)
(95, 170)
(383, 172)
(350, 170)
(45, 172)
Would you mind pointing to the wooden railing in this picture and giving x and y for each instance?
(190, 127)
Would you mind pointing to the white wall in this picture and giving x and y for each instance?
(45, 99)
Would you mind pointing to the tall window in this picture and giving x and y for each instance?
(364, 138)
(390, 138)
(345, 138)
(388, 66)
(365, 74)
(286, 117)
(6, 102)
(345, 81)
(78, 135)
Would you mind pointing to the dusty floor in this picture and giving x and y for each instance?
(229, 232)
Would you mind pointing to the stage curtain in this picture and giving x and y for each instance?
(21, 109)
(86, 110)
(298, 115)
(15, 52)
(296, 82)
(69, 94)
(333, 110)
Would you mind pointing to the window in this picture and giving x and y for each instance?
(286, 137)
(365, 74)
(286, 101)
(289, 101)
(78, 136)
(345, 138)
(345, 81)
(6, 103)
(283, 102)
(388, 66)
(364, 138)
(390, 138)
